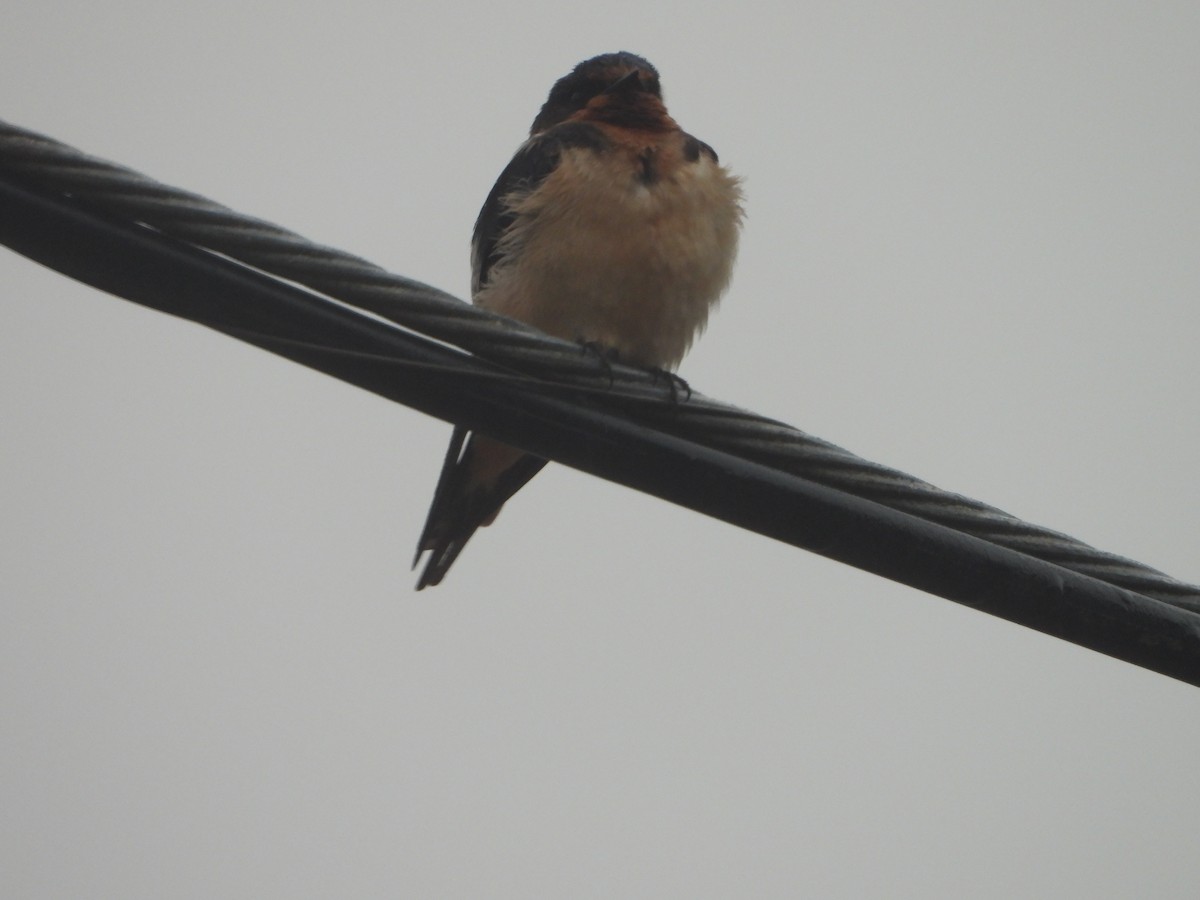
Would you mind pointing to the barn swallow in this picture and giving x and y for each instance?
(610, 226)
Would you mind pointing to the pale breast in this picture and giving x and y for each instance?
(623, 249)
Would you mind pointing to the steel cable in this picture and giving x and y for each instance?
(187, 217)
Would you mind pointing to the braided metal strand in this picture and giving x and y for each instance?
(354, 281)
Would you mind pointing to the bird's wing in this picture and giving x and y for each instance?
(480, 474)
(534, 161)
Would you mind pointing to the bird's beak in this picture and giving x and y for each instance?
(631, 80)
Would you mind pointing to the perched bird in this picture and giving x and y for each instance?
(611, 226)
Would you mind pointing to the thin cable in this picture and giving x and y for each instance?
(32, 158)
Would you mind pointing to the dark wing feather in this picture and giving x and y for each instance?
(460, 506)
(536, 159)
(693, 147)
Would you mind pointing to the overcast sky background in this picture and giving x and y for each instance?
(970, 253)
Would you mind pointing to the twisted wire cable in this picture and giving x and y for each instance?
(526, 352)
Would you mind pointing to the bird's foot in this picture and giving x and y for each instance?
(602, 353)
(676, 385)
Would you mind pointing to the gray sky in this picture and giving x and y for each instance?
(970, 253)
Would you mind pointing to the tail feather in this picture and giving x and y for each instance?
(478, 476)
